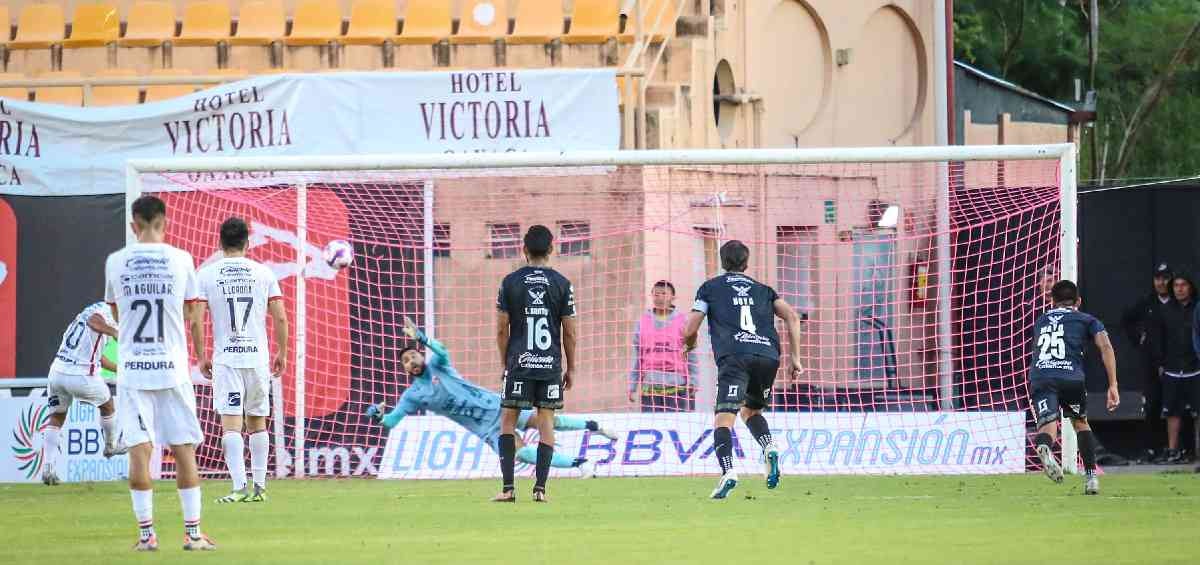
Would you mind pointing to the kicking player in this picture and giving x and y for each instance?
(148, 285)
(741, 323)
(438, 388)
(242, 293)
(75, 374)
(535, 329)
(1056, 379)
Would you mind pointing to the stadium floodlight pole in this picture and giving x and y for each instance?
(1069, 254)
(301, 291)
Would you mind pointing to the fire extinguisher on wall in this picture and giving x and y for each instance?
(918, 286)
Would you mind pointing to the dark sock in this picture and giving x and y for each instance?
(592, 425)
(1087, 449)
(508, 450)
(762, 432)
(544, 454)
(1043, 439)
(723, 441)
(578, 461)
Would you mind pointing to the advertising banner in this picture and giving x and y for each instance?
(81, 443)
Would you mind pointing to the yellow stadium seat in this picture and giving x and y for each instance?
(482, 21)
(39, 27)
(93, 25)
(315, 22)
(427, 21)
(537, 21)
(666, 26)
(149, 25)
(205, 23)
(4, 17)
(65, 95)
(13, 92)
(594, 21)
(372, 22)
(260, 22)
(114, 95)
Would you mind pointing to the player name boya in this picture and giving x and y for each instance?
(743, 301)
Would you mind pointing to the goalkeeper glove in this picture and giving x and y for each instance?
(376, 412)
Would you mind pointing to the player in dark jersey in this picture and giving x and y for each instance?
(741, 322)
(535, 330)
(1056, 378)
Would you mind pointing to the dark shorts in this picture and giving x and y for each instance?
(1051, 394)
(523, 393)
(1179, 396)
(745, 380)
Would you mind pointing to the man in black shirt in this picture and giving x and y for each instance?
(1143, 327)
(535, 329)
(741, 323)
(1180, 369)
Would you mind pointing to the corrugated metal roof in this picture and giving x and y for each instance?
(1013, 87)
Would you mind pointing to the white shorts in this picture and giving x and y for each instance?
(64, 389)
(241, 391)
(163, 417)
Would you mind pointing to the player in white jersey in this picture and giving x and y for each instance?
(241, 292)
(75, 375)
(149, 284)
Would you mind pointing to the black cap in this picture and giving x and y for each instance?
(1163, 270)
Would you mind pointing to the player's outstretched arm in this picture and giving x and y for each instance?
(792, 320)
(438, 353)
(1109, 357)
(195, 315)
(280, 321)
(98, 324)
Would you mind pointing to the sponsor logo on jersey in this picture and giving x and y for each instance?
(31, 422)
(149, 365)
(235, 271)
(750, 338)
(530, 360)
(235, 400)
(142, 262)
(537, 296)
(742, 290)
(240, 349)
(537, 278)
(1054, 320)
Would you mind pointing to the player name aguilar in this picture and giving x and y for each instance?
(152, 288)
(529, 360)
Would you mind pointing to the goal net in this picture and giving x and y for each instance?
(917, 272)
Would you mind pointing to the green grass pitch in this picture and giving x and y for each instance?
(877, 520)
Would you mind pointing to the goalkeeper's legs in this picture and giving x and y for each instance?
(1087, 450)
(528, 455)
(564, 423)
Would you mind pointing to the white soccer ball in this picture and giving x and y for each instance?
(338, 254)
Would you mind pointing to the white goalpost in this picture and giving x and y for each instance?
(917, 269)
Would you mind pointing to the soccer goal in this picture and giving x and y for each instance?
(918, 272)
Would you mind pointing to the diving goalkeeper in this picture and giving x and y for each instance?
(438, 388)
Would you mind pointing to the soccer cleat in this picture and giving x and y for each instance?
(539, 495)
(49, 477)
(605, 433)
(239, 495)
(1174, 457)
(506, 496)
(725, 485)
(1050, 465)
(772, 456)
(1092, 484)
(587, 470)
(111, 451)
(202, 543)
(148, 544)
(259, 494)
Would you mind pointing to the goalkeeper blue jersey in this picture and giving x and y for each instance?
(442, 391)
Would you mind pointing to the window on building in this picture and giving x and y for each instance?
(574, 238)
(795, 262)
(441, 240)
(504, 240)
(711, 249)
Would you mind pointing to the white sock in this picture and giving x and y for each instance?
(235, 458)
(50, 447)
(189, 499)
(143, 510)
(109, 425)
(260, 444)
